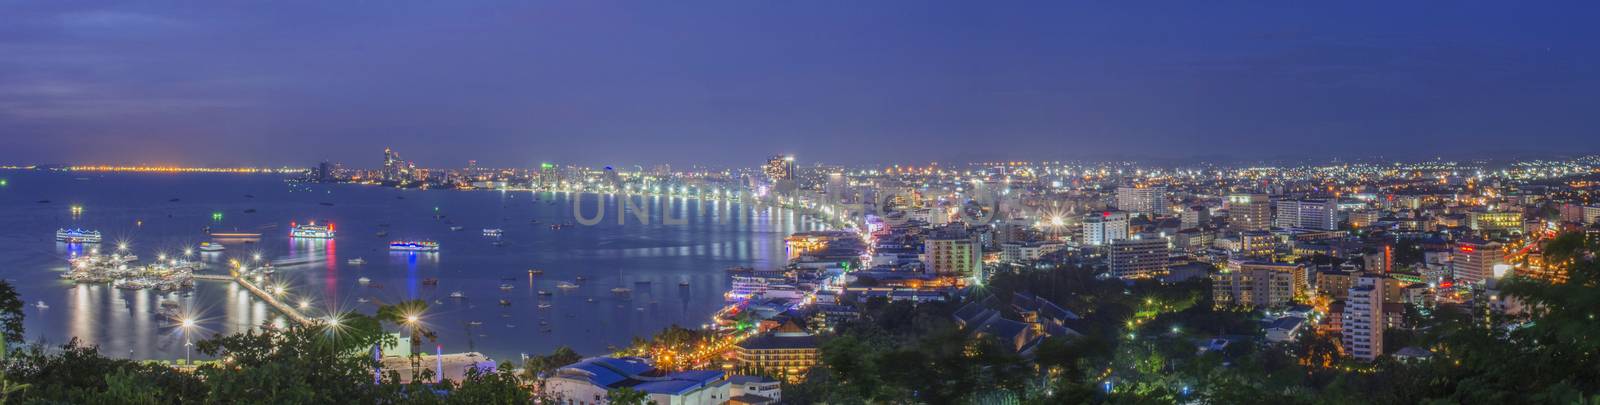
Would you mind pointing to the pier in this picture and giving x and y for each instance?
(285, 309)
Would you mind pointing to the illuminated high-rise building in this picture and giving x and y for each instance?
(779, 168)
(1361, 328)
(1148, 200)
(1308, 214)
(1141, 257)
(1474, 260)
(1101, 228)
(1249, 212)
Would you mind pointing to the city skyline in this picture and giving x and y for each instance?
(513, 85)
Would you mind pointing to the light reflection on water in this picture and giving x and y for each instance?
(138, 209)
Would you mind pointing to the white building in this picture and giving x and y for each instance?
(1103, 227)
(1144, 256)
(1142, 200)
(1474, 261)
(1249, 212)
(1308, 214)
(1362, 325)
(587, 382)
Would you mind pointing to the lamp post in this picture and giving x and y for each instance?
(188, 325)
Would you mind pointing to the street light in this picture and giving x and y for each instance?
(188, 325)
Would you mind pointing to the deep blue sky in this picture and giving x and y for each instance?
(728, 83)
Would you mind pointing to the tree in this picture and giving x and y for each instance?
(10, 313)
(628, 396)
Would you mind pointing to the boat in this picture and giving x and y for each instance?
(430, 281)
(507, 287)
(544, 306)
(41, 305)
(475, 323)
(311, 231)
(455, 228)
(457, 294)
(684, 283)
(579, 279)
(544, 293)
(413, 245)
(505, 303)
(566, 286)
(77, 236)
(212, 247)
(621, 290)
(493, 232)
(362, 300)
(590, 300)
(535, 272)
(356, 261)
(363, 280)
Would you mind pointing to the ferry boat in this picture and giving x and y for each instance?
(311, 231)
(494, 233)
(414, 246)
(356, 261)
(77, 236)
(212, 247)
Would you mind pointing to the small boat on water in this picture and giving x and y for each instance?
(363, 280)
(684, 283)
(544, 306)
(456, 228)
(356, 261)
(362, 300)
(580, 279)
(430, 281)
(544, 293)
(507, 287)
(505, 303)
(493, 232)
(566, 286)
(621, 290)
(475, 323)
(590, 300)
(535, 272)
(457, 294)
(41, 305)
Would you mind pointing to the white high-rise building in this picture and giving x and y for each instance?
(1249, 212)
(1308, 214)
(1142, 200)
(1144, 256)
(1103, 227)
(1362, 328)
(1474, 260)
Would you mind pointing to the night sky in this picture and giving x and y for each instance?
(729, 83)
